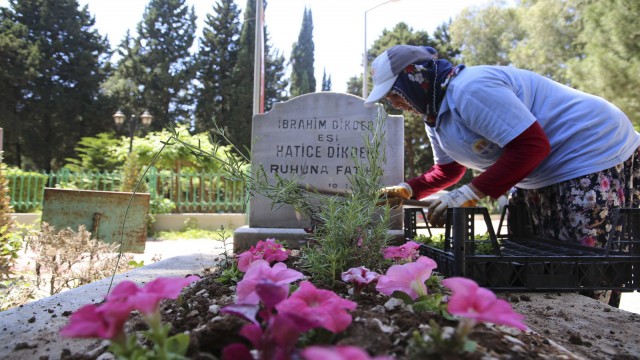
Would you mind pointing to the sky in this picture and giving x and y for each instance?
(338, 32)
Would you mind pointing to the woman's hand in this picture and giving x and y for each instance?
(402, 190)
(461, 197)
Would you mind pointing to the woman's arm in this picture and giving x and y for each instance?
(520, 157)
(438, 177)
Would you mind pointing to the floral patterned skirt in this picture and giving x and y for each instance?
(580, 210)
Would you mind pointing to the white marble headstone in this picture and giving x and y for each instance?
(315, 136)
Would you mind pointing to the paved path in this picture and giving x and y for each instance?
(156, 250)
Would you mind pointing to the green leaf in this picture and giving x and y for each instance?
(177, 345)
(402, 296)
(470, 346)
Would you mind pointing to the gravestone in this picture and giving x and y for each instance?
(314, 136)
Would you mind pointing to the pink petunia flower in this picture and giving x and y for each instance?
(236, 351)
(480, 304)
(277, 341)
(408, 278)
(147, 298)
(343, 352)
(103, 321)
(359, 277)
(260, 272)
(313, 308)
(268, 250)
(406, 252)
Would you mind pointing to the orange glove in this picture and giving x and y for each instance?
(402, 190)
(394, 196)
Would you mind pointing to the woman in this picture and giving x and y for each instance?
(569, 156)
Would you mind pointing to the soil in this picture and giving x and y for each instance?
(387, 330)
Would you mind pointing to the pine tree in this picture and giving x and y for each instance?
(303, 80)
(217, 57)
(59, 105)
(17, 68)
(156, 68)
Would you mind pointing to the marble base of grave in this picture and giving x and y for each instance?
(244, 237)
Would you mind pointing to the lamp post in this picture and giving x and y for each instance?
(365, 60)
(146, 119)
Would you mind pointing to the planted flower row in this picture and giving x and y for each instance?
(280, 310)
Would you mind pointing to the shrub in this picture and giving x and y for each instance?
(66, 259)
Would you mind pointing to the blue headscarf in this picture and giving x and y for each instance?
(423, 86)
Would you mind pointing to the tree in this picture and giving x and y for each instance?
(548, 31)
(96, 153)
(156, 69)
(486, 35)
(217, 57)
(275, 76)
(238, 124)
(326, 81)
(611, 61)
(58, 105)
(354, 85)
(443, 42)
(18, 61)
(303, 80)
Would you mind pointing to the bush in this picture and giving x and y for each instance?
(66, 259)
(10, 245)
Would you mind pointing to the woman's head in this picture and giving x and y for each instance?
(388, 65)
(411, 78)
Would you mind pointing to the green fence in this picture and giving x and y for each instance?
(190, 192)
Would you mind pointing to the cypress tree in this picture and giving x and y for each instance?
(326, 81)
(303, 80)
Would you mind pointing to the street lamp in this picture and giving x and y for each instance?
(146, 119)
(365, 60)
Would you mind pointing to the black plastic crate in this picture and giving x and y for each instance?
(522, 261)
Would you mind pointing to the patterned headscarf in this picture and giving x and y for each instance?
(423, 86)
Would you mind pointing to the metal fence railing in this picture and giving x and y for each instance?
(201, 192)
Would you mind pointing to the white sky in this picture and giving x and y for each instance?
(338, 32)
